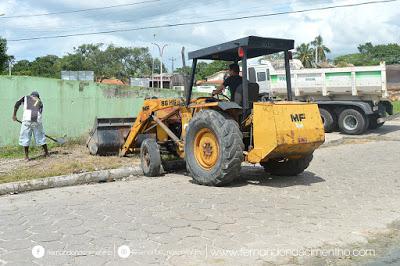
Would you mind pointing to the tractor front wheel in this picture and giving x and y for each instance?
(213, 148)
(150, 158)
(287, 167)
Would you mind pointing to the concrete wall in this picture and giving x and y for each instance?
(69, 106)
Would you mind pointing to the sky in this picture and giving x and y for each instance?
(342, 29)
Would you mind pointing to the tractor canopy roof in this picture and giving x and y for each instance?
(256, 46)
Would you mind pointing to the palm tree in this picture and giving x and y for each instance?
(305, 54)
(320, 49)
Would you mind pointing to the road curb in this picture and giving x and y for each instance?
(69, 180)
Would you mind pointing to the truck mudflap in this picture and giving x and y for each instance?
(387, 118)
(108, 135)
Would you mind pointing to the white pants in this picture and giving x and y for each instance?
(27, 128)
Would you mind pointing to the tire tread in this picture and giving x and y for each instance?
(231, 142)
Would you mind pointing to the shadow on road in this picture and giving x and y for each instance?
(386, 129)
(253, 175)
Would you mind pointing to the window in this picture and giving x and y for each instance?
(261, 76)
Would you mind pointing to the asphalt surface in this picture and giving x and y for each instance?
(349, 192)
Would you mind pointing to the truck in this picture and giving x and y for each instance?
(350, 99)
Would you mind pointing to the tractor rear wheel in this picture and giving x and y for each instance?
(150, 158)
(287, 167)
(213, 148)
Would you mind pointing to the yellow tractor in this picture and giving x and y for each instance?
(213, 135)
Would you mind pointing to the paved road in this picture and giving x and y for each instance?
(390, 131)
(348, 192)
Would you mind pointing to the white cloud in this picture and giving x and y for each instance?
(342, 29)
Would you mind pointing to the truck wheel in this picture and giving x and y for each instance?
(328, 119)
(150, 159)
(352, 122)
(287, 167)
(213, 148)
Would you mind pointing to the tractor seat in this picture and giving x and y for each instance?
(253, 93)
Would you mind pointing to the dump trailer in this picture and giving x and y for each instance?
(350, 99)
(213, 134)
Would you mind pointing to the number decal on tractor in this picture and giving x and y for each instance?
(172, 102)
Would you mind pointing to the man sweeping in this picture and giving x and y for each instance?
(31, 122)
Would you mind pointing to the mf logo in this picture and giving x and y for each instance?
(297, 117)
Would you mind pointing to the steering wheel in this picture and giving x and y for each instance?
(223, 95)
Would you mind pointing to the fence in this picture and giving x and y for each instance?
(69, 106)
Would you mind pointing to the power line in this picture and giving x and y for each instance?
(132, 18)
(109, 25)
(79, 10)
(65, 29)
(203, 22)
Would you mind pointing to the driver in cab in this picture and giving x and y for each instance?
(232, 82)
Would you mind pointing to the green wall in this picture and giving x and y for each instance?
(69, 106)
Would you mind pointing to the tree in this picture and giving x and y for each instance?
(305, 54)
(46, 66)
(355, 59)
(112, 62)
(157, 67)
(22, 68)
(320, 49)
(205, 70)
(370, 54)
(184, 70)
(106, 61)
(4, 57)
(365, 48)
(272, 57)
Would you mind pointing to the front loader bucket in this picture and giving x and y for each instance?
(108, 135)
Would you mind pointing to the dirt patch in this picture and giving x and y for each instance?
(63, 160)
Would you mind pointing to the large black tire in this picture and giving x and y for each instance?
(150, 158)
(230, 152)
(328, 119)
(287, 167)
(352, 122)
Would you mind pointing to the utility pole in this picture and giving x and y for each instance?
(152, 67)
(10, 65)
(172, 59)
(183, 57)
(161, 50)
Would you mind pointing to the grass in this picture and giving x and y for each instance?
(67, 159)
(17, 152)
(24, 174)
(396, 107)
